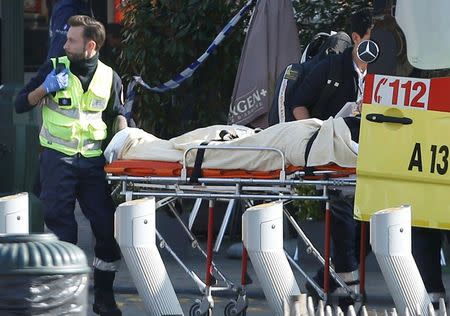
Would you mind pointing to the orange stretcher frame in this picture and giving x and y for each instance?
(145, 168)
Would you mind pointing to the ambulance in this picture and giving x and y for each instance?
(404, 145)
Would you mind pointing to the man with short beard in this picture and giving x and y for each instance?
(78, 94)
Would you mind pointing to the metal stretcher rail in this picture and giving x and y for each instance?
(287, 182)
(217, 188)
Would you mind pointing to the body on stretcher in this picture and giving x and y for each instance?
(256, 161)
(255, 166)
(332, 144)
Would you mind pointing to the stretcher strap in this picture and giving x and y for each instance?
(309, 171)
(197, 171)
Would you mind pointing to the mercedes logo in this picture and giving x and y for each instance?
(368, 51)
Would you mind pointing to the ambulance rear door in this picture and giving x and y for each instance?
(404, 149)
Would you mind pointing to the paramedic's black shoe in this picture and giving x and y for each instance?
(344, 302)
(311, 291)
(104, 302)
(318, 278)
(351, 279)
(434, 298)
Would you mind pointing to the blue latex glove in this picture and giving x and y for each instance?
(55, 82)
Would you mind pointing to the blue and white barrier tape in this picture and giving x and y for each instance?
(182, 76)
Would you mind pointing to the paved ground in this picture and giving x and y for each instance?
(131, 304)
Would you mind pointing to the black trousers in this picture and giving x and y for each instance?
(65, 179)
(426, 250)
(345, 233)
(345, 236)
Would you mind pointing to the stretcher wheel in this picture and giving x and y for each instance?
(231, 310)
(195, 311)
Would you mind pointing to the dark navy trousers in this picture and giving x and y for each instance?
(65, 179)
(426, 250)
(345, 233)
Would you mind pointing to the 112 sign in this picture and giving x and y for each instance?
(402, 92)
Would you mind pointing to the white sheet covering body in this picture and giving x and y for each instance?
(332, 145)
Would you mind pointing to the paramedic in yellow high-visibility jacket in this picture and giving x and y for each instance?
(78, 95)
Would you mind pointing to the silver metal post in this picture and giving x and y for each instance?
(224, 225)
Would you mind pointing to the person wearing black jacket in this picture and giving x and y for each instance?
(79, 97)
(309, 92)
(61, 11)
(344, 229)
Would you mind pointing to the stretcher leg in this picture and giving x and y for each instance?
(244, 276)
(206, 304)
(326, 271)
(228, 283)
(209, 244)
(239, 306)
(313, 251)
(194, 212)
(163, 244)
(316, 286)
(362, 261)
(310, 247)
(223, 226)
(327, 268)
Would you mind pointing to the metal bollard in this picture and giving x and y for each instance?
(135, 234)
(14, 214)
(262, 235)
(390, 237)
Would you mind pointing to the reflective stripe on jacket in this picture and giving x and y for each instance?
(72, 119)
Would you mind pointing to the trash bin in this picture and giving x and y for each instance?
(41, 275)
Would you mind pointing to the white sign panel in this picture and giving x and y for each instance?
(401, 91)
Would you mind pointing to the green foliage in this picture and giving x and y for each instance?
(314, 16)
(308, 209)
(163, 37)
